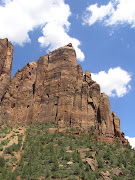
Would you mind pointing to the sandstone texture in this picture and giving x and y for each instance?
(54, 88)
(6, 58)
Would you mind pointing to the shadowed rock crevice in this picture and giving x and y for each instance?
(98, 116)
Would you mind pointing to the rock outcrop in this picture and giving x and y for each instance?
(6, 58)
(55, 89)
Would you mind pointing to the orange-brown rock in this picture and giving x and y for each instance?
(92, 163)
(116, 122)
(105, 175)
(117, 171)
(107, 126)
(55, 89)
(6, 57)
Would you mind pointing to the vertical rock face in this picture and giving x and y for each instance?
(6, 57)
(116, 122)
(59, 80)
(54, 88)
(107, 126)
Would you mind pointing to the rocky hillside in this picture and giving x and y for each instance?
(39, 151)
(54, 88)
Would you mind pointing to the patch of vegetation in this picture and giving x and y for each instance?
(1, 79)
(2, 162)
(5, 142)
(64, 156)
(1, 148)
(6, 130)
(14, 147)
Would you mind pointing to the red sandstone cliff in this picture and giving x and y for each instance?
(6, 57)
(54, 88)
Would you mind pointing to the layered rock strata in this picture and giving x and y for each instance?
(6, 58)
(55, 89)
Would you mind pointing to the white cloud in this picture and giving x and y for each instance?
(115, 12)
(98, 13)
(131, 141)
(18, 18)
(114, 83)
(55, 36)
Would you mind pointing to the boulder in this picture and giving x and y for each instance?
(105, 175)
(92, 163)
(117, 172)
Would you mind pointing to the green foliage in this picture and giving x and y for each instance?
(14, 159)
(5, 130)
(76, 156)
(14, 147)
(59, 118)
(10, 149)
(55, 166)
(48, 156)
(91, 129)
(100, 162)
(1, 79)
(82, 174)
(2, 162)
(67, 157)
(76, 169)
(1, 148)
(5, 142)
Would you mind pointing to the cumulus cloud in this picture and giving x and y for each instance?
(18, 18)
(115, 12)
(131, 141)
(55, 36)
(115, 82)
(97, 13)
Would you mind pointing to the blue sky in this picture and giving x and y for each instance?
(102, 33)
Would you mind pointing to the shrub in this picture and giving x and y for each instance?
(76, 156)
(13, 147)
(91, 129)
(55, 166)
(2, 162)
(5, 142)
(67, 157)
(107, 155)
(6, 130)
(100, 162)
(72, 177)
(83, 175)
(76, 169)
(1, 79)
(1, 148)
(9, 149)
(132, 170)
(47, 174)
(71, 146)
(87, 169)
